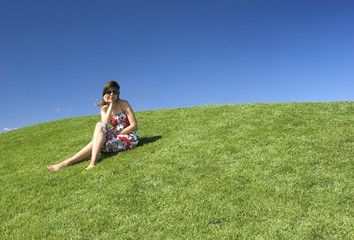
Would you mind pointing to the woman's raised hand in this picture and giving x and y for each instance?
(106, 99)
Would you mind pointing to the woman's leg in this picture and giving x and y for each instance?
(97, 142)
(92, 149)
(81, 155)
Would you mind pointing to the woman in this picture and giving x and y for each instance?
(121, 136)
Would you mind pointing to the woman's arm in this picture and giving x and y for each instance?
(106, 112)
(131, 117)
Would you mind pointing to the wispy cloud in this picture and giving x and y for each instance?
(63, 110)
(9, 129)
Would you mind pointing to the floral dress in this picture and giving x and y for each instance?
(113, 142)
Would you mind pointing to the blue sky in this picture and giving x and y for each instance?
(56, 56)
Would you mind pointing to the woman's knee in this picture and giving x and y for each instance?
(99, 127)
(98, 130)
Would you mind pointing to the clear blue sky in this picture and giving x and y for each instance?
(56, 56)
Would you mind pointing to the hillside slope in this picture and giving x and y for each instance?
(280, 170)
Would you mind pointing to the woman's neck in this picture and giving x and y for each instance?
(116, 103)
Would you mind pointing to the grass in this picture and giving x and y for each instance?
(249, 171)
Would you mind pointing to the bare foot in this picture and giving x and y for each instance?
(90, 166)
(56, 167)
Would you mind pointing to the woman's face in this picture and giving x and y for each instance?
(112, 94)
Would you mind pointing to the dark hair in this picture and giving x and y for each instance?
(111, 84)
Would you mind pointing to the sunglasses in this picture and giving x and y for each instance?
(114, 91)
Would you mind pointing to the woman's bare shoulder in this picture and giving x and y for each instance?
(124, 103)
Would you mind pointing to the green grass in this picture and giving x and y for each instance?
(249, 171)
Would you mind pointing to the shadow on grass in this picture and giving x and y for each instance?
(147, 140)
(142, 141)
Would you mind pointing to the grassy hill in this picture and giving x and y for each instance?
(249, 171)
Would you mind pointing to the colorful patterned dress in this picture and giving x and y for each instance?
(114, 142)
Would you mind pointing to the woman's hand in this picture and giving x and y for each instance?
(116, 132)
(106, 99)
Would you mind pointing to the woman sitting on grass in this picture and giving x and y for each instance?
(121, 136)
